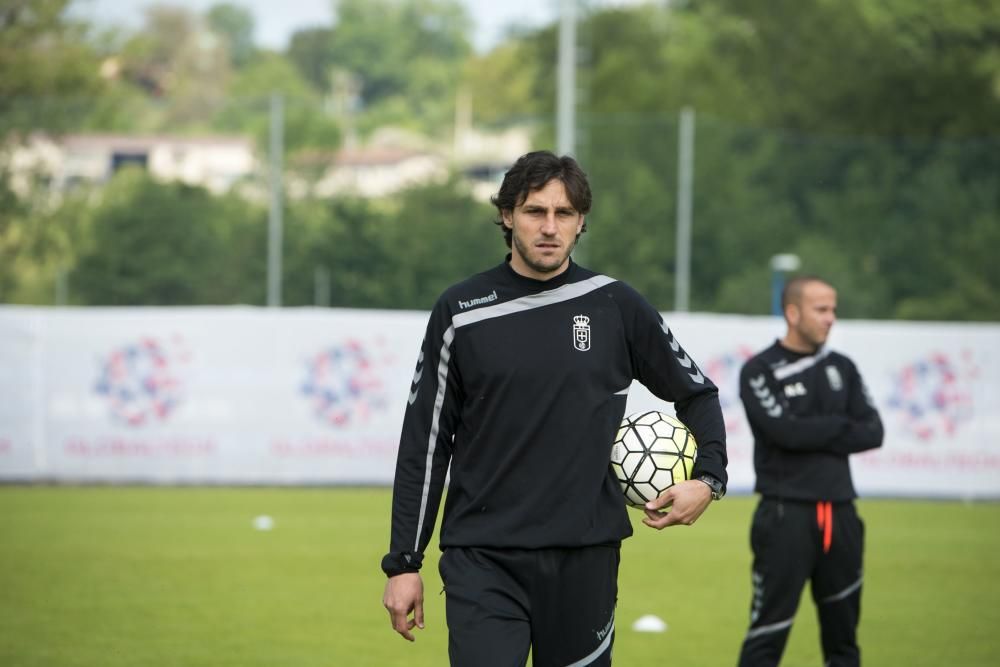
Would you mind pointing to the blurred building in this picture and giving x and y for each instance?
(216, 163)
(482, 158)
(377, 171)
(391, 161)
(394, 159)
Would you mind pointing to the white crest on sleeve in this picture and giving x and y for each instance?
(833, 376)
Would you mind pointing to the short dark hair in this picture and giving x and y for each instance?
(532, 172)
(792, 292)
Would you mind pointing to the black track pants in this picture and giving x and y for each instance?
(795, 542)
(559, 603)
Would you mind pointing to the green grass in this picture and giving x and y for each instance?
(159, 576)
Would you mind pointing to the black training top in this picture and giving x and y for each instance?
(808, 412)
(521, 385)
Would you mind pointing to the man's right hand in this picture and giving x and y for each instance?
(404, 593)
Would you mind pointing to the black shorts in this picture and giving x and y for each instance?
(559, 603)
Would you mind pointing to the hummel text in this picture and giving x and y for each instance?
(492, 296)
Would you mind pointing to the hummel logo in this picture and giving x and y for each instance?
(609, 627)
(764, 395)
(492, 296)
(419, 373)
(682, 356)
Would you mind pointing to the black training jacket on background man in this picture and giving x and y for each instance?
(521, 385)
(808, 412)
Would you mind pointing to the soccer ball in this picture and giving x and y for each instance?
(651, 453)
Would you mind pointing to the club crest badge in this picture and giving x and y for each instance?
(581, 332)
(833, 376)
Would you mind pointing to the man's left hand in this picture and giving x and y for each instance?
(686, 502)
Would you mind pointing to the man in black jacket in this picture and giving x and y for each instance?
(520, 386)
(809, 410)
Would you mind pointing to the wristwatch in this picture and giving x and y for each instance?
(717, 489)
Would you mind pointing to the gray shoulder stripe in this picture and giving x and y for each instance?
(805, 363)
(546, 298)
(442, 372)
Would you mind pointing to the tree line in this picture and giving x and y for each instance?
(859, 135)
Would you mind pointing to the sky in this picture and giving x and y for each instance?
(276, 20)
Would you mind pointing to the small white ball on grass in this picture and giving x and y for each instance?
(649, 623)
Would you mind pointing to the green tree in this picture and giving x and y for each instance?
(501, 85)
(825, 128)
(151, 243)
(408, 55)
(248, 106)
(176, 61)
(338, 237)
(864, 67)
(630, 231)
(311, 49)
(36, 241)
(49, 72)
(235, 25)
(434, 236)
(47, 67)
(397, 252)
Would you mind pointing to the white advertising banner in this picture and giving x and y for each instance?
(936, 385)
(315, 396)
(233, 395)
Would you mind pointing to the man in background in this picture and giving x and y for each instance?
(809, 410)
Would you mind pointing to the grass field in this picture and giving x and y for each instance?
(109, 576)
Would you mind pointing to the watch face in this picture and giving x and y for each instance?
(713, 484)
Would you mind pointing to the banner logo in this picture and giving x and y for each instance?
(344, 384)
(931, 397)
(140, 382)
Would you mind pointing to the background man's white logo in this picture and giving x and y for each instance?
(581, 332)
(833, 375)
(795, 389)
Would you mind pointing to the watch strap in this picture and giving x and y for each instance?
(715, 485)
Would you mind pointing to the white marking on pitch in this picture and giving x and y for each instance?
(649, 623)
(263, 522)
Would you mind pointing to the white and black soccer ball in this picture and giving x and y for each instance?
(652, 452)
